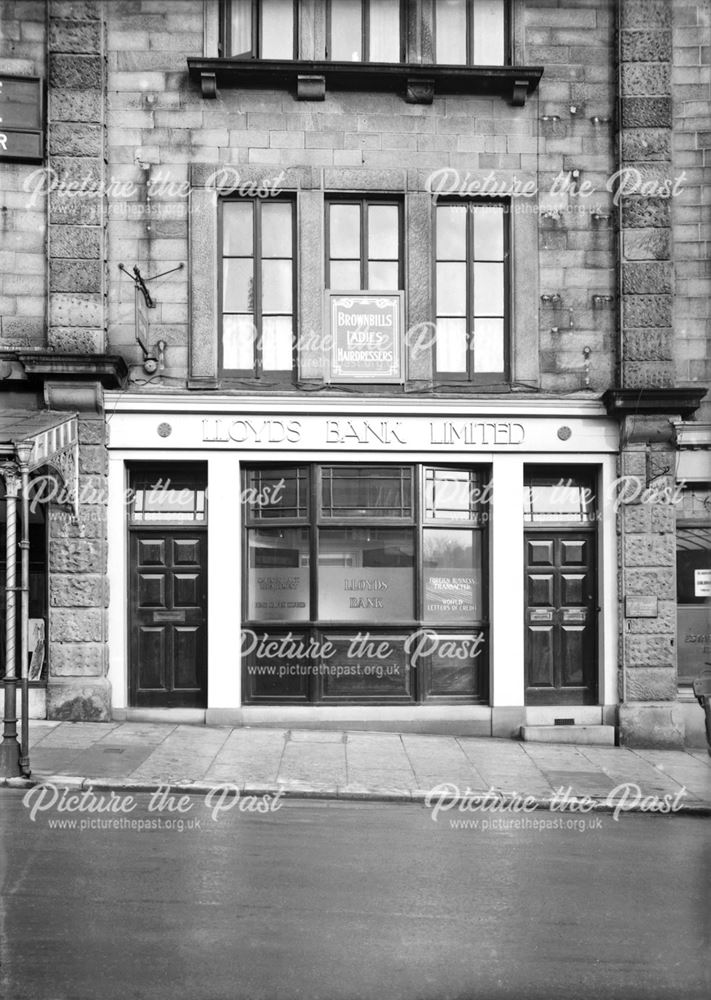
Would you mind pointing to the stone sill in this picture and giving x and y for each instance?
(418, 82)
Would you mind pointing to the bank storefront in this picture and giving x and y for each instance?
(392, 561)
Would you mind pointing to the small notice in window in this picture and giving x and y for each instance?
(702, 583)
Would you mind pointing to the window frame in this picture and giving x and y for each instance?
(225, 42)
(365, 34)
(364, 202)
(314, 626)
(471, 377)
(257, 371)
(507, 26)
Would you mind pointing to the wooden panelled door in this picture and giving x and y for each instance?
(561, 618)
(168, 618)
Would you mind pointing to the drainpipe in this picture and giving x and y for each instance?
(9, 749)
(24, 453)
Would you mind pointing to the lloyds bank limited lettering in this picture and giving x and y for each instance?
(367, 432)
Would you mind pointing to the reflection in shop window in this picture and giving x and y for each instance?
(558, 497)
(160, 498)
(278, 576)
(366, 574)
(366, 491)
(693, 582)
(277, 491)
(451, 560)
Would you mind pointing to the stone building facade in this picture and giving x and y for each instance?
(567, 346)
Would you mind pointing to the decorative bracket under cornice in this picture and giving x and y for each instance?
(660, 402)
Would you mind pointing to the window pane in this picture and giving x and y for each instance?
(488, 345)
(241, 27)
(276, 225)
(278, 575)
(451, 232)
(344, 231)
(238, 285)
(451, 31)
(488, 232)
(276, 343)
(451, 565)
(166, 498)
(346, 30)
(383, 235)
(366, 491)
(451, 494)
(237, 228)
(277, 290)
(452, 289)
(277, 29)
(277, 491)
(383, 275)
(488, 289)
(488, 31)
(451, 345)
(384, 41)
(366, 574)
(558, 498)
(345, 275)
(238, 342)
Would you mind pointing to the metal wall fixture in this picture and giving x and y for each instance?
(598, 216)
(553, 299)
(600, 120)
(550, 118)
(599, 301)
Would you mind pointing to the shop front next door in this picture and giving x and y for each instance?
(560, 618)
(168, 621)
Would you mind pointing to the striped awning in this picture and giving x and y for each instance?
(44, 439)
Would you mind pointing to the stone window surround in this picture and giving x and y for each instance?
(310, 190)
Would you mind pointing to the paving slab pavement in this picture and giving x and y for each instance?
(368, 765)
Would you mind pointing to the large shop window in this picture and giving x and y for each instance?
(471, 288)
(364, 245)
(257, 288)
(365, 584)
(693, 581)
(471, 32)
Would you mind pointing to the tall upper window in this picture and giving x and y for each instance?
(470, 32)
(257, 286)
(471, 290)
(260, 29)
(364, 31)
(364, 245)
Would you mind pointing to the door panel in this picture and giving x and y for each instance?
(168, 619)
(561, 618)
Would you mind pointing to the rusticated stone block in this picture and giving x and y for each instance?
(76, 10)
(658, 582)
(634, 463)
(648, 345)
(651, 684)
(643, 213)
(646, 14)
(649, 651)
(646, 46)
(74, 36)
(83, 700)
(646, 144)
(75, 340)
(82, 173)
(91, 523)
(647, 310)
(648, 374)
(84, 591)
(78, 659)
(75, 72)
(75, 105)
(646, 244)
(665, 622)
(636, 517)
(649, 550)
(76, 242)
(76, 556)
(75, 275)
(75, 139)
(68, 210)
(646, 112)
(646, 79)
(93, 458)
(651, 724)
(76, 625)
(653, 277)
(93, 490)
(75, 310)
(91, 431)
(663, 517)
